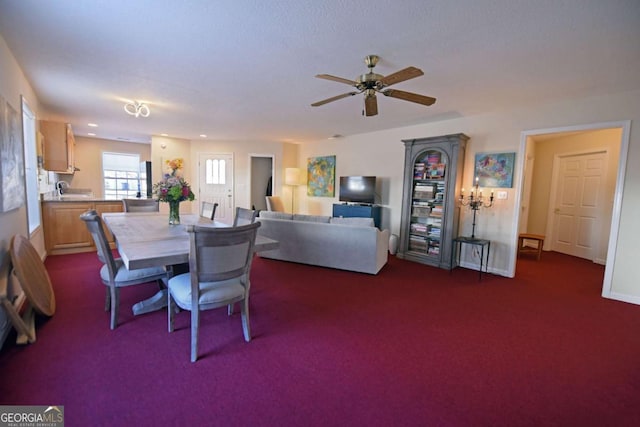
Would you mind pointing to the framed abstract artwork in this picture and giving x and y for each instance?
(12, 193)
(321, 176)
(495, 169)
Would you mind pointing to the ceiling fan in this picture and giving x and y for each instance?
(370, 83)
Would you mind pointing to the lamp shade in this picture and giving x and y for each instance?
(292, 176)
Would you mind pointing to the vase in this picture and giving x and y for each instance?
(174, 213)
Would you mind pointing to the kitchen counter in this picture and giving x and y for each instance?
(64, 232)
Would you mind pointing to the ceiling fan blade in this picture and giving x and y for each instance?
(400, 76)
(333, 98)
(408, 96)
(370, 105)
(337, 79)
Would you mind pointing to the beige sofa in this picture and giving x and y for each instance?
(344, 243)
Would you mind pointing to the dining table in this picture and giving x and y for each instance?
(145, 239)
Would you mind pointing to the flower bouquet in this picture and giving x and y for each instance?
(173, 189)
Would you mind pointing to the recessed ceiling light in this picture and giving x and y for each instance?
(91, 134)
(93, 125)
(164, 134)
(203, 135)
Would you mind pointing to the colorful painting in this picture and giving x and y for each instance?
(495, 169)
(12, 195)
(321, 176)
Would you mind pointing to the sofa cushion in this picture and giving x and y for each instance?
(358, 221)
(275, 215)
(311, 218)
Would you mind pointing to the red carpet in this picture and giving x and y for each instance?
(413, 346)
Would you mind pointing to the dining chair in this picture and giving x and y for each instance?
(114, 273)
(141, 205)
(219, 266)
(208, 210)
(244, 216)
(275, 204)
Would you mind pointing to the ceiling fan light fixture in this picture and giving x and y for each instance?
(370, 83)
(137, 109)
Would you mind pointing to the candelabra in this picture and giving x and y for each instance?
(475, 201)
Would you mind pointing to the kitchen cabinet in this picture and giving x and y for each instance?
(59, 146)
(64, 231)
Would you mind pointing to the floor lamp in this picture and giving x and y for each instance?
(292, 179)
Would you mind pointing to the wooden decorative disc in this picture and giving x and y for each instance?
(33, 277)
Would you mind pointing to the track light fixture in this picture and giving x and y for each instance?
(137, 109)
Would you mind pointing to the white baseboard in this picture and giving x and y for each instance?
(631, 299)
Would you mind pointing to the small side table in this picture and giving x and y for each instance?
(538, 238)
(484, 259)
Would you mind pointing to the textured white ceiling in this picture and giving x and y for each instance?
(244, 69)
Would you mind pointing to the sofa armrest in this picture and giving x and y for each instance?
(382, 248)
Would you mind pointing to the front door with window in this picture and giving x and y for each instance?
(215, 178)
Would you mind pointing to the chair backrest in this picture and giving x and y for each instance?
(94, 225)
(220, 253)
(274, 203)
(141, 205)
(208, 210)
(244, 216)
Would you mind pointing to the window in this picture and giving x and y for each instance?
(121, 174)
(31, 167)
(215, 171)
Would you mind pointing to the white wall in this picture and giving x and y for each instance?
(13, 84)
(381, 154)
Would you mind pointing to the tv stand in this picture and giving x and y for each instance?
(359, 210)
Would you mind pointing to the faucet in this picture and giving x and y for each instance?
(61, 186)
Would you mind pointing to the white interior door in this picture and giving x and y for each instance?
(215, 178)
(578, 204)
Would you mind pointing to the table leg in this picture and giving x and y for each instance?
(481, 258)
(156, 302)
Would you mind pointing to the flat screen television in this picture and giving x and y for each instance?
(358, 189)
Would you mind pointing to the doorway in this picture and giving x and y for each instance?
(215, 179)
(261, 179)
(540, 199)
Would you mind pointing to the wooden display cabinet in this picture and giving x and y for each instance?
(429, 220)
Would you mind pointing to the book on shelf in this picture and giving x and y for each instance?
(420, 228)
(436, 170)
(423, 211)
(419, 171)
(433, 158)
(435, 221)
